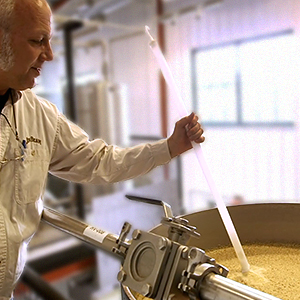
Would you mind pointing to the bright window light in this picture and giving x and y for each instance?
(216, 92)
(268, 70)
(247, 81)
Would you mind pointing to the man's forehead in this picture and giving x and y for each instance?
(38, 3)
(37, 19)
(41, 32)
(32, 8)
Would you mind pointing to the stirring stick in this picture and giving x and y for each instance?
(181, 109)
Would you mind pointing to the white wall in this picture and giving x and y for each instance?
(132, 65)
(262, 164)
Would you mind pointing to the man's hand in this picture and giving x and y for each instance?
(186, 130)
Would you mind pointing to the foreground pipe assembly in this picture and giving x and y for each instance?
(157, 266)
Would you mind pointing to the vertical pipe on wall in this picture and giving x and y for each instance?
(58, 4)
(162, 82)
(68, 28)
(70, 102)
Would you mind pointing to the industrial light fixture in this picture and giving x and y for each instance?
(199, 9)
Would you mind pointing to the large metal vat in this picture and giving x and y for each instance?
(255, 223)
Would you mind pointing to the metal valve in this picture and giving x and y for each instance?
(145, 262)
(179, 229)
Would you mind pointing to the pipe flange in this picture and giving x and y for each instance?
(199, 265)
(191, 281)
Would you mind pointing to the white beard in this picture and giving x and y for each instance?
(6, 53)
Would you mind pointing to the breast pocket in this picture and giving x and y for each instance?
(30, 175)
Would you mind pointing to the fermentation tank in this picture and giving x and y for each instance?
(170, 261)
(261, 224)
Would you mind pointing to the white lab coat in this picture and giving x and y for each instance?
(56, 145)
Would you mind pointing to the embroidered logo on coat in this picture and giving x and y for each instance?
(33, 140)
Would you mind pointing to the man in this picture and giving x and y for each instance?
(36, 138)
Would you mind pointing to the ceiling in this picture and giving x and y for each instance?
(105, 7)
(119, 17)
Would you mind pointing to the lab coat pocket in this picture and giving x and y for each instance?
(30, 176)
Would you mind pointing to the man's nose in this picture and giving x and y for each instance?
(47, 54)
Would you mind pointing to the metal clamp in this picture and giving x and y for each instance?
(199, 265)
(122, 246)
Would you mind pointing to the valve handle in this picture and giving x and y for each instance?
(167, 208)
(179, 230)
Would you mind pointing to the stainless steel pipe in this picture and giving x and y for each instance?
(99, 238)
(216, 287)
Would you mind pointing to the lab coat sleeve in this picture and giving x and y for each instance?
(77, 159)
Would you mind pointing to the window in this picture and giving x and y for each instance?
(247, 82)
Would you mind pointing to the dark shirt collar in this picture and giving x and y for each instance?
(16, 95)
(3, 99)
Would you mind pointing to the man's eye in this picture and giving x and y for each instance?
(38, 42)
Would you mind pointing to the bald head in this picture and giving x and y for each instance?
(25, 33)
(12, 8)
